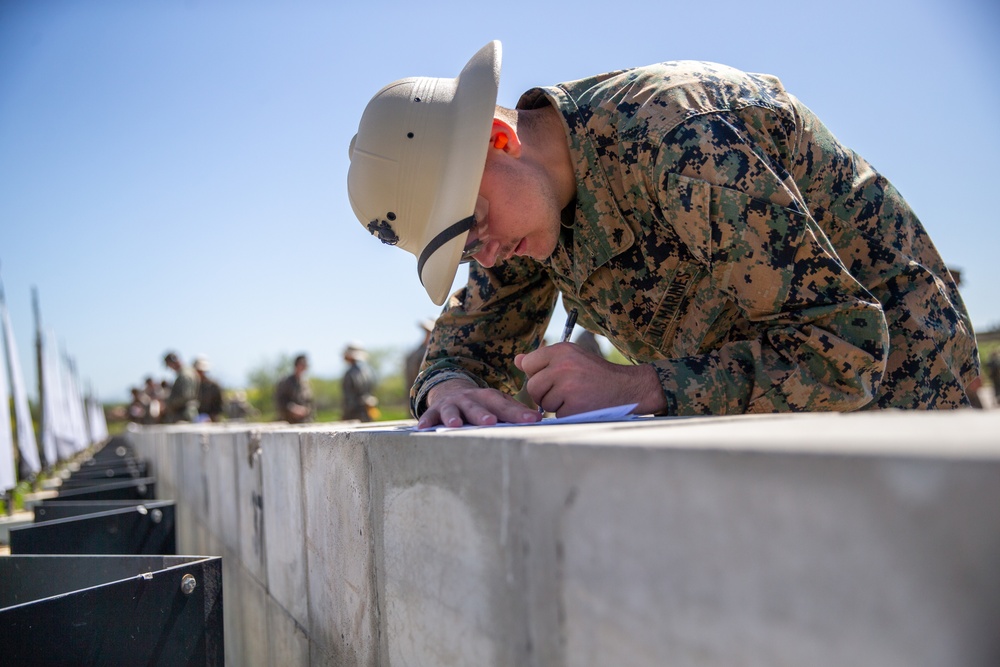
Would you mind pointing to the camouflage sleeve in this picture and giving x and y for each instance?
(183, 390)
(821, 339)
(501, 312)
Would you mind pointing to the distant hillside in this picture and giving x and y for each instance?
(991, 336)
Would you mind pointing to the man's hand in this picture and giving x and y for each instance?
(458, 402)
(567, 380)
(298, 411)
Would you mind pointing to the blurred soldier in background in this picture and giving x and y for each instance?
(209, 392)
(155, 395)
(138, 409)
(993, 372)
(358, 384)
(239, 408)
(293, 395)
(182, 402)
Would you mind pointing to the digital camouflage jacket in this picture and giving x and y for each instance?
(721, 233)
(182, 402)
(293, 389)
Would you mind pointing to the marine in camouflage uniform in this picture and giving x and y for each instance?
(357, 385)
(182, 402)
(293, 395)
(721, 233)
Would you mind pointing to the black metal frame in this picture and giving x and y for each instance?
(111, 610)
(147, 528)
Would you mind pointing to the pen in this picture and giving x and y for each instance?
(568, 329)
(567, 332)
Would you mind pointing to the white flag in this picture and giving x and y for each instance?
(74, 406)
(26, 442)
(98, 424)
(8, 478)
(56, 438)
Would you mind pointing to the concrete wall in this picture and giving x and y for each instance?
(865, 539)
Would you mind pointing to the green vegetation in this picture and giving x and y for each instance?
(27, 486)
(986, 348)
(17, 494)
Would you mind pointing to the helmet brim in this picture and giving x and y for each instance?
(474, 105)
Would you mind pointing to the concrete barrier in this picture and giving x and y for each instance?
(817, 539)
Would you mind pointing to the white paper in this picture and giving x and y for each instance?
(616, 413)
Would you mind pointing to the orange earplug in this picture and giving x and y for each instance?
(500, 141)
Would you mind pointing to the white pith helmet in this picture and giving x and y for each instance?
(417, 160)
(356, 352)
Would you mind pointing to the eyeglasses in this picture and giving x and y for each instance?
(479, 235)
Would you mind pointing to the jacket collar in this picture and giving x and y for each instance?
(598, 230)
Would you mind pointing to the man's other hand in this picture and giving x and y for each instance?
(458, 402)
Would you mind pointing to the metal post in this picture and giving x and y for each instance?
(8, 495)
(41, 378)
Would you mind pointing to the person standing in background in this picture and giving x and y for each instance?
(993, 373)
(293, 396)
(182, 401)
(209, 392)
(138, 410)
(358, 384)
(155, 395)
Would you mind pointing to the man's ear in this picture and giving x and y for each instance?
(504, 138)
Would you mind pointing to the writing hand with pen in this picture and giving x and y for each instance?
(566, 380)
(562, 378)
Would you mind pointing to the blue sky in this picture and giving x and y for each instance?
(172, 173)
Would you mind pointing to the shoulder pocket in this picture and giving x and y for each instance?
(750, 245)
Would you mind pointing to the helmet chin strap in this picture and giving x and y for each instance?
(447, 234)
